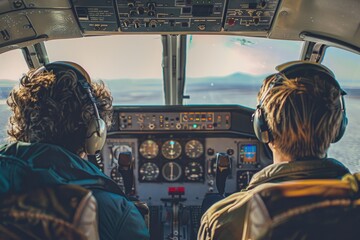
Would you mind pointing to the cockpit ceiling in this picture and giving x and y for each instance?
(23, 21)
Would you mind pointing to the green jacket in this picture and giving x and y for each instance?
(225, 219)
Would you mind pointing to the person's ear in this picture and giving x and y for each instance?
(82, 154)
(272, 146)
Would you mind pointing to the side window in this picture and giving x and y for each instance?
(345, 65)
(13, 66)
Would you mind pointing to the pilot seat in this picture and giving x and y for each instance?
(305, 210)
(57, 212)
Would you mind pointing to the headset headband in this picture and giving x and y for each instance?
(296, 69)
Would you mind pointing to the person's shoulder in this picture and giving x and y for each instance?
(27, 150)
(6, 147)
(111, 199)
(231, 203)
(119, 217)
(223, 220)
(115, 206)
(336, 163)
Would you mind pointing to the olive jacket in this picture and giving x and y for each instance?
(225, 219)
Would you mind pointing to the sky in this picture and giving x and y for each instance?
(139, 57)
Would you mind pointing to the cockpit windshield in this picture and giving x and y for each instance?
(230, 69)
(219, 70)
(129, 65)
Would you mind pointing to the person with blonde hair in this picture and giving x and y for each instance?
(300, 112)
(59, 116)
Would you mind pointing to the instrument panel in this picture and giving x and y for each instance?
(175, 159)
(185, 159)
(176, 121)
(181, 160)
(183, 155)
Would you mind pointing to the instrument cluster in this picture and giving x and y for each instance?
(171, 160)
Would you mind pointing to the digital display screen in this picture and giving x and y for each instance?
(248, 153)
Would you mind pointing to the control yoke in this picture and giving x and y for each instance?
(223, 170)
(126, 170)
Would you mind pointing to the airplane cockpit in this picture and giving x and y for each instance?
(177, 151)
(184, 75)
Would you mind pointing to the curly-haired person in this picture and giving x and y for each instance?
(300, 112)
(59, 116)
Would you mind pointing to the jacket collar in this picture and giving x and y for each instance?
(29, 165)
(309, 169)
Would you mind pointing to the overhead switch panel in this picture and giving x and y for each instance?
(188, 16)
(179, 15)
(95, 15)
(250, 15)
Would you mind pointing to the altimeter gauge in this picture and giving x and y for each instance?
(149, 149)
(149, 171)
(194, 149)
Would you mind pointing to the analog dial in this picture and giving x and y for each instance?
(194, 171)
(149, 149)
(149, 172)
(171, 149)
(171, 171)
(194, 149)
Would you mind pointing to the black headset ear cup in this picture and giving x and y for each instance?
(343, 123)
(260, 126)
(95, 136)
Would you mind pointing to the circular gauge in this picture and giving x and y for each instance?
(194, 149)
(149, 172)
(194, 171)
(117, 149)
(171, 149)
(171, 171)
(149, 149)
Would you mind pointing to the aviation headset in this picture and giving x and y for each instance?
(292, 70)
(96, 128)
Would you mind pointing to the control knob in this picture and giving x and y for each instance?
(151, 126)
(151, 6)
